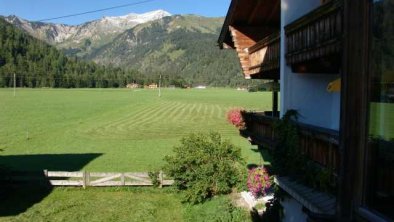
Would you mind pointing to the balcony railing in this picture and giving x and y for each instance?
(313, 42)
(260, 128)
(264, 56)
(318, 144)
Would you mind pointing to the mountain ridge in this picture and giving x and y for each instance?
(181, 47)
(92, 33)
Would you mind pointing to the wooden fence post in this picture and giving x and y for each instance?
(45, 178)
(84, 179)
(122, 179)
(87, 178)
(161, 179)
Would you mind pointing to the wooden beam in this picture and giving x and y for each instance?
(275, 100)
(256, 33)
(275, 11)
(242, 42)
(225, 32)
(354, 107)
(256, 9)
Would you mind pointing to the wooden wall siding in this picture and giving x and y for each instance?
(321, 147)
(318, 144)
(242, 42)
(316, 35)
(265, 55)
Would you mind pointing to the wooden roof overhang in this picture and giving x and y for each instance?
(247, 24)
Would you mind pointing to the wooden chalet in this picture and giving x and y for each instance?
(331, 60)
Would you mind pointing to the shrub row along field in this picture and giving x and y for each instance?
(112, 130)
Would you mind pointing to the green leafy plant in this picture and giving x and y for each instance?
(154, 176)
(204, 165)
(287, 156)
(288, 160)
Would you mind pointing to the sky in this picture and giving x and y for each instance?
(42, 9)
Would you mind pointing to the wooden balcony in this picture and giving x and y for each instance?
(264, 57)
(318, 144)
(260, 128)
(314, 41)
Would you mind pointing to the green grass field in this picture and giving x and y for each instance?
(126, 130)
(112, 130)
(382, 120)
(120, 204)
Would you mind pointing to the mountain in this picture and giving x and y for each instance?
(35, 63)
(181, 48)
(81, 38)
(179, 45)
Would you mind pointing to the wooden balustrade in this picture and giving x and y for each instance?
(264, 56)
(260, 128)
(313, 42)
(318, 144)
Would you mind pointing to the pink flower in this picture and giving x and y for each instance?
(234, 116)
(258, 181)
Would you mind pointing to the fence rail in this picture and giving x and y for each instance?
(87, 179)
(318, 144)
(316, 36)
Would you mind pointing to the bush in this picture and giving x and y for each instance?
(204, 166)
(154, 177)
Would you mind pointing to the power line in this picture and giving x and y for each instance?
(94, 11)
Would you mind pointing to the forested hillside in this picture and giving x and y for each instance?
(180, 47)
(37, 64)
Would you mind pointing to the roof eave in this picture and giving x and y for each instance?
(225, 32)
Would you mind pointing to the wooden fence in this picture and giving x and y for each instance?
(87, 179)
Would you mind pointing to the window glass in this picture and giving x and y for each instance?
(381, 122)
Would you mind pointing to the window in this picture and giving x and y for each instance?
(380, 190)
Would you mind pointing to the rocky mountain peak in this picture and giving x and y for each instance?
(101, 31)
(133, 18)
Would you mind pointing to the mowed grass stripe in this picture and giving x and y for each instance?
(131, 131)
(181, 114)
(176, 111)
(168, 112)
(134, 119)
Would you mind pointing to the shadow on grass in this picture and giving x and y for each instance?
(16, 197)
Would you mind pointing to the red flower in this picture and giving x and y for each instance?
(234, 116)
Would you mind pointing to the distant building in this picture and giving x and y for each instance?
(200, 87)
(152, 86)
(132, 85)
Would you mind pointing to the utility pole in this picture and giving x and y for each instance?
(160, 86)
(14, 84)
